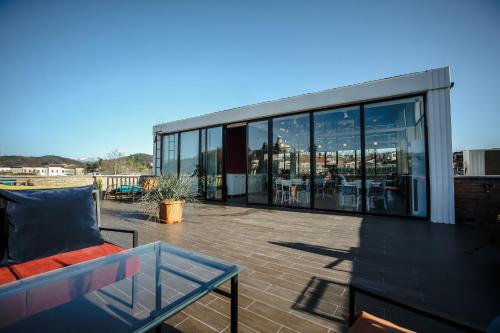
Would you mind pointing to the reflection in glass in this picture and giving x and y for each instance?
(257, 161)
(202, 173)
(169, 155)
(214, 163)
(291, 161)
(337, 143)
(189, 158)
(395, 158)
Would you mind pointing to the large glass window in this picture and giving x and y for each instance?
(291, 161)
(202, 173)
(214, 163)
(337, 143)
(189, 155)
(169, 155)
(257, 161)
(396, 178)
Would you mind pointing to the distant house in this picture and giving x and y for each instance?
(481, 162)
(55, 171)
(458, 163)
(39, 171)
(68, 172)
(16, 169)
(51, 170)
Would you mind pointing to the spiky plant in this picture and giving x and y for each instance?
(98, 184)
(168, 188)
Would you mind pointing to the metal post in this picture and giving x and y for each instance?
(158, 286)
(352, 305)
(234, 304)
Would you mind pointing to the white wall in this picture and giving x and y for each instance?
(474, 163)
(440, 150)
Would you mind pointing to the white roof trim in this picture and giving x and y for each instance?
(372, 90)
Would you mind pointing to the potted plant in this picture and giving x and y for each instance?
(98, 187)
(167, 199)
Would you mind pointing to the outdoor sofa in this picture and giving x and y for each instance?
(44, 229)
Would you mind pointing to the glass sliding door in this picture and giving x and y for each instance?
(189, 155)
(337, 143)
(291, 161)
(203, 164)
(169, 155)
(214, 158)
(396, 176)
(257, 162)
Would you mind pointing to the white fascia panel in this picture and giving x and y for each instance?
(391, 87)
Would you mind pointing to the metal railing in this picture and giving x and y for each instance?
(121, 186)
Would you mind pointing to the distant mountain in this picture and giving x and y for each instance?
(31, 161)
(87, 159)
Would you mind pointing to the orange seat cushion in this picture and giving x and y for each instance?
(43, 265)
(367, 323)
(6, 275)
(35, 267)
(88, 253)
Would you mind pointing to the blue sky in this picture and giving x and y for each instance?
(82, 78)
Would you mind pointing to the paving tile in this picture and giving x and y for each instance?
(258, 323)
(301, 263)
(286, 319)
(241, 329)
(207, 316)
(177, 319)
(192, 325)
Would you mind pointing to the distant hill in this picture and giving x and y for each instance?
(139, 158)
(31, 161)
(135, 163)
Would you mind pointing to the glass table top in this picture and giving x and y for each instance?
(130, 291)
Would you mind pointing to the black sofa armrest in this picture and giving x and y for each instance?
(127, 231)
(452, 322)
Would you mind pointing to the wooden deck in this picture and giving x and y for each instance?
(299, 264)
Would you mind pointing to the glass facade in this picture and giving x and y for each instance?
(369, 158)
(396, 177)
(203, 164)
(189, 155)
(214, 164)
(291, 165)
(337, 146)
(169, 155)
(257, 162)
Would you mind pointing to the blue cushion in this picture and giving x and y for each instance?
(47, 222)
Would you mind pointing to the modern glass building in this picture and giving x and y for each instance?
(382, 147)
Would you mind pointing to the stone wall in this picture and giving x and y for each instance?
(56, 181)
(112, 181)
(477, 199)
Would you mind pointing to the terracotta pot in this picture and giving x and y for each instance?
(171, 211)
